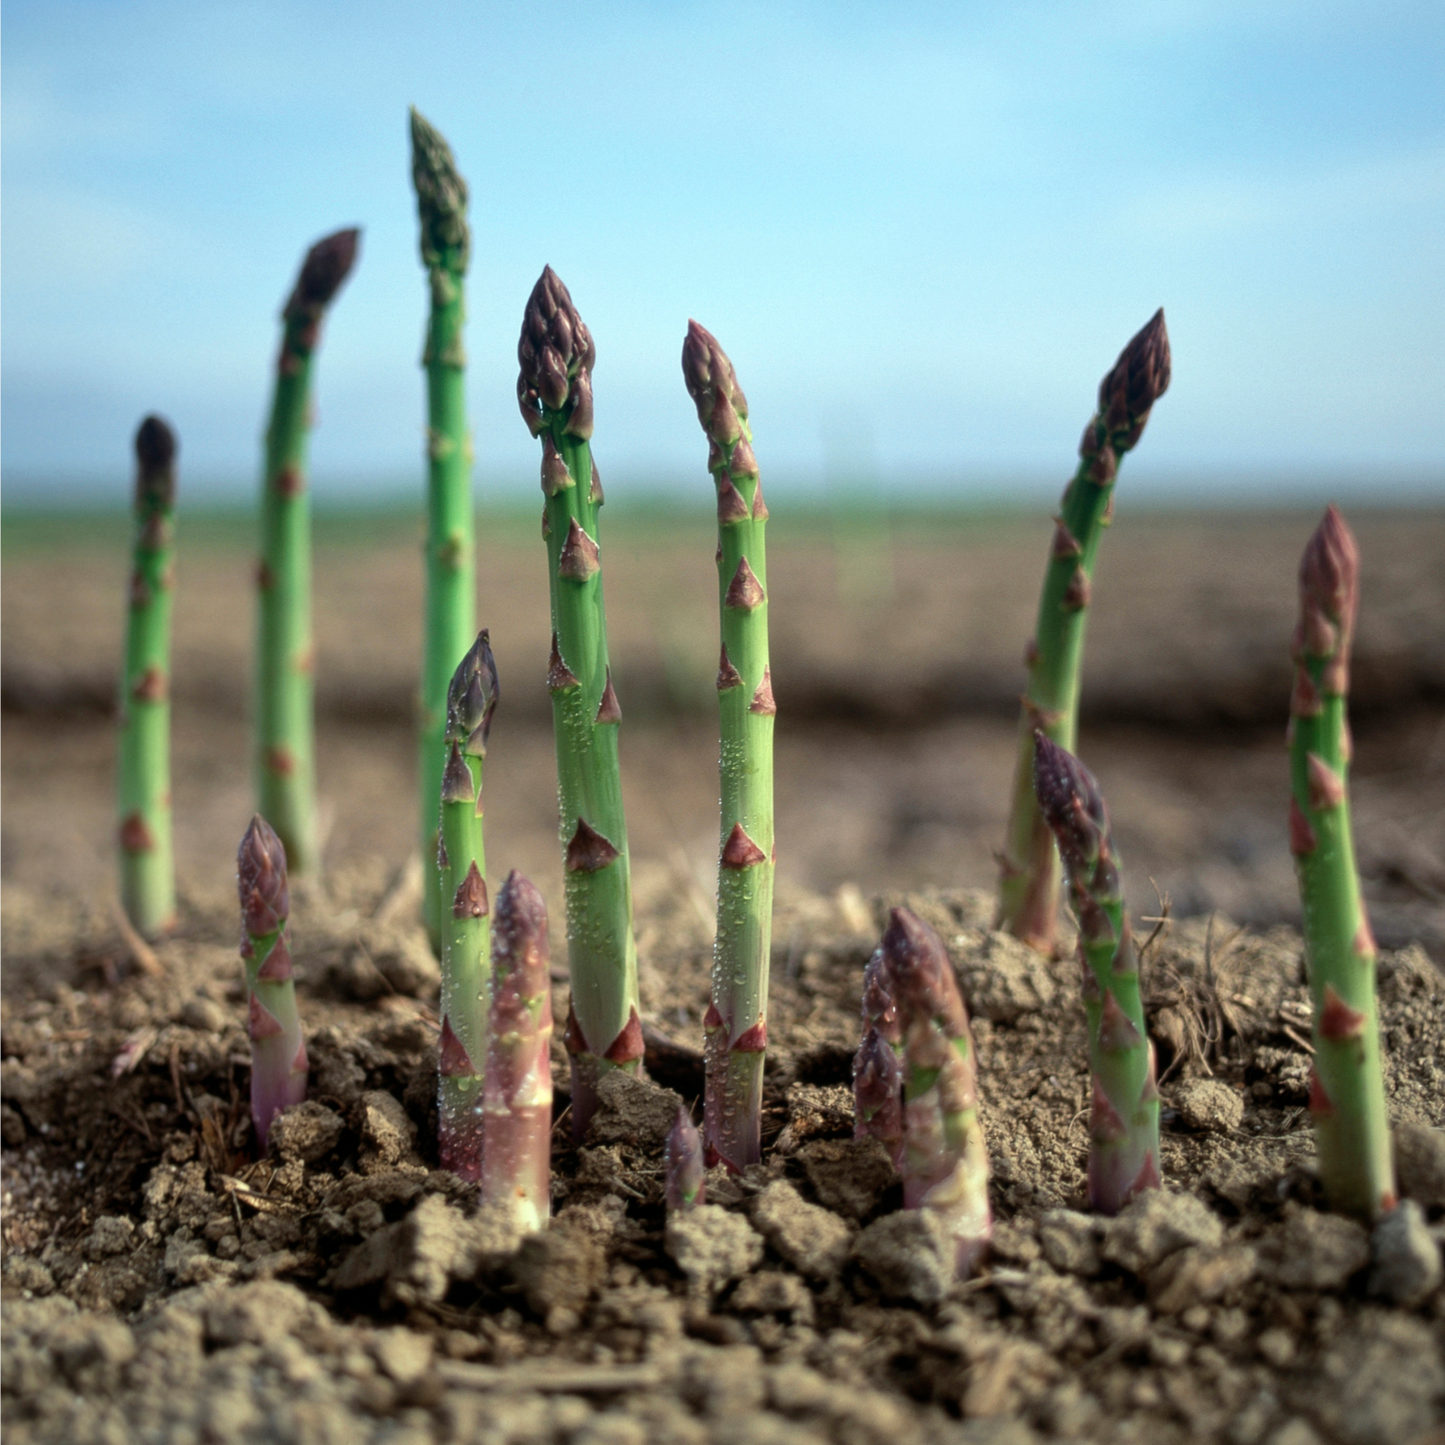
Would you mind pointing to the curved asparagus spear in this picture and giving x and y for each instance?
(1347, 1091)
(278, 1052)
(944, 1161)
(736, 1029)
(1029, 864)
(682, 1164)
(1124, 1122)
(516, 1164)
(554, 390)
(147, 865)
(462, 865)
(441, 200)
(285, 725)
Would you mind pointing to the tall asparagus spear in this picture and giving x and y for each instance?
(278, 1052)
(736, 1029)
(1124, 1121)
(1347, 1091)
(516, 1164)
(944, 1161)
(147, 867)
(1029, 864)
(441, 201)
(462, 864)
(285, 725)
(554, 391)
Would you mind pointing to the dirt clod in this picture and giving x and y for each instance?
(1420, 1163)
(1156, 1223)
(712, 1247)
(812, 1239)
(1208, 1104)
(1315, 1251)
(1407, 1267)
(307, 1131)
(909, 1256)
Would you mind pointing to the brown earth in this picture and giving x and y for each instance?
(160, 1283)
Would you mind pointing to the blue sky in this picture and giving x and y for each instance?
(922, 232)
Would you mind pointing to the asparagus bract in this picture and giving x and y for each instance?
(1029, 864)
(1347, 1093)
(441, 199)
(682, 1164)
(877, 1069)
(278, 1052)
(462, 865)
(516, 1163)
(1124, 1117)
(285, 724)
(944, 1161)
(736, 1029)
(554, 390)
(147, 865)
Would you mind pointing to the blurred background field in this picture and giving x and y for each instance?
(897, 640)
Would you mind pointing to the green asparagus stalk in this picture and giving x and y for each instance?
(1347, 1091)
(441, 199)
(278, 1052)
(516, 1164)
(1029, 864)
(685, 1181)
(285, 725)
(147, 866)
(554, 390)
(1124, 1119)
(944, 1160)
(462, 864)
(735, 1028)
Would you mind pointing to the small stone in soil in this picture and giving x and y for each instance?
(1420, 1164)
(1407, 1259)
(1208, 1105)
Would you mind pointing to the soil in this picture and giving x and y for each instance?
(162, 1283)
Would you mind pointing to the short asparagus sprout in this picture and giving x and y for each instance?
(736, 1028)
(877, 1069)
(682, 1164)
(516, 1163)
(441, 198)
(1029, 864)
(278, 1052)
(1347, 1092)
(943, 1160)
(462, 865)
(285, 724)
(554, 390)
(147, 864)
(1124, 1116)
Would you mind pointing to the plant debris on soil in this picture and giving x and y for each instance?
(162, 1284)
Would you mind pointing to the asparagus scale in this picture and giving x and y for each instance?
(1347, 1091)
(285, 724)
(147, 863)
(554, 391)
(735, 1027)
(462, 865)
(1029, 864)
(1124, 1116)
(441, 198)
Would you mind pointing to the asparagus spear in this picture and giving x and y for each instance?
(1347, 1092)
(285, 706)
(462, 865)
(1124, 1120)
(944, 1161)
(278, 1052)
(877, 1071)
(682, 1164)
(441, 199)
(147, 867)
(1029, 865)
(516, 1162)
(736, 1029)
(554, 390)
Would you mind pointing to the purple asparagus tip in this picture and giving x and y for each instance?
(682, 1163)
(921, 974)
(1070, 801)
(519, 934)
(878, 1093)
(713, 385)
(880, 1008)
(472, 697)
(1138, 379)
(155, 454)
(556, 354)
(328, 263)
(261, 879)
(1329, 589)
